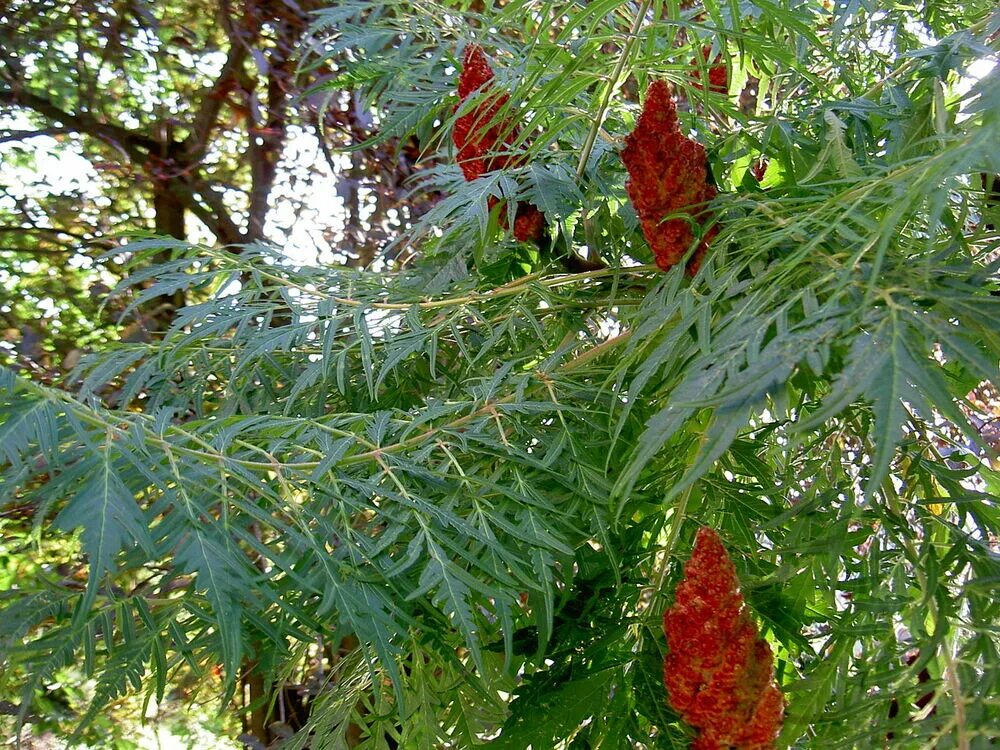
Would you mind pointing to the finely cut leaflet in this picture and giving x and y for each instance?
(667, 175)
(719, 675)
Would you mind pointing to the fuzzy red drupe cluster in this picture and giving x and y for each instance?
(719, 675)
(483, 137)
(667, 175)
(718, 75)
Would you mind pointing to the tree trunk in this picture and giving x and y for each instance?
(257, 700)
(168, 209)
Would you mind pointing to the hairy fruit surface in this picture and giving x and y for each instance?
(719, 675)
(759, 168)
(483, 138)
(718, 75)
(667, 175)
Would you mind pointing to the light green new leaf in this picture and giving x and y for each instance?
(217, 563)
(110, 519)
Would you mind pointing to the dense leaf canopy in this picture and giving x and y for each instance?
(456, 493)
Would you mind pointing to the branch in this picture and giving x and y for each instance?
(196, 144)
(267, 142)
(55, 237)
(128, 141)
(23, 135)
(212, 211)
(595, 126)
(39, 252)
(11, 228)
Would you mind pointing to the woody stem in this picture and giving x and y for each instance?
(667, 552)
(955, 689)
(595, 127)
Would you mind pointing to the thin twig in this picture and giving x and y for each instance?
(955, 688)
(595, 126)
(668, 549)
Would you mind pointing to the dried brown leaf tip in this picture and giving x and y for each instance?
(667, 175)
(483, 137)
(719, 675)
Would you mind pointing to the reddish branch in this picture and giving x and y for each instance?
(206, 118)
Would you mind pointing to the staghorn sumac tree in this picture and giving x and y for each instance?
(449, 503)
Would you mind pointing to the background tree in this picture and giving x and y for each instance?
(189, 120)
(435, 503)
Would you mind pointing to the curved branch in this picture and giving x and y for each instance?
(12, 229)
(207, 204)
(23, 135)
(207, 116)
(130, 142)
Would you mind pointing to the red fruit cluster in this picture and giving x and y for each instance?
(759, 168)
(667, 175)
(718, 76)
(483, 137)
(719, 675)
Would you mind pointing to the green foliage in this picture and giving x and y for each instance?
(486, 475)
